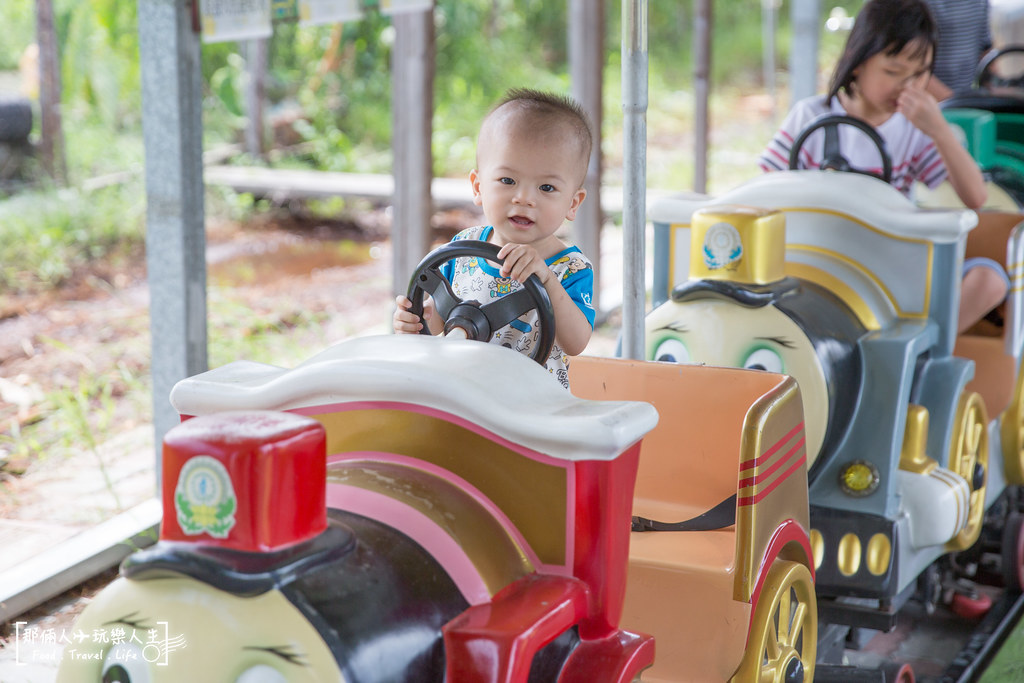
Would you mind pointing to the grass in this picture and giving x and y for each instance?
(45, 236)
(1008, 664)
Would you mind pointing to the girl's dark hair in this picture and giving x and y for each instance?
(889, 26)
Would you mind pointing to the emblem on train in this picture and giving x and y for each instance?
(204, 498)
(722, 246)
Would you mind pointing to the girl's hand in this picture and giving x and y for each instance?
(920, 108)
(522, 261)
(406, 322)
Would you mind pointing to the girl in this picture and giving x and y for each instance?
(881, 79)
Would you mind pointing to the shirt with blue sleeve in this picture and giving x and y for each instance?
(475, 279)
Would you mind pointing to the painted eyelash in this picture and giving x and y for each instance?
(132, 619)
(784, 343)
(281, 651)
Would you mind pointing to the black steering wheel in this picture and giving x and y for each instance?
(833, 158)
(480, 321)
(986, 79)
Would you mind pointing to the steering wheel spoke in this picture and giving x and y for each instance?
(503, 311)
(437, 286)
(833, 158)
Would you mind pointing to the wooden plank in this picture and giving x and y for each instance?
(284, 184)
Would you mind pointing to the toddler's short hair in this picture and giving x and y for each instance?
(534, 105)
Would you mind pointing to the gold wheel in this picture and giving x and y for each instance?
(1011, 433)
(968, 457)
(783, 638)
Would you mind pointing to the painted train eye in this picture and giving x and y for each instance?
(124, 663)
(672, 351)
(261, 673)
(763, 359)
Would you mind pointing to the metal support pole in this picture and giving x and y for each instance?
(702, 92)
(586, 65)
(803, 57)
(769, 25)
(412, 78)
(634, 159)
(256, 56)
(175, 240)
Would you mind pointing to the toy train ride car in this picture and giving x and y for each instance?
(408, 508)
(840, 281)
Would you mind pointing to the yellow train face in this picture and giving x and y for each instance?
(720, 332)
(179, 629)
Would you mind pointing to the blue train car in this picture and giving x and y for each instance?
(914, 433)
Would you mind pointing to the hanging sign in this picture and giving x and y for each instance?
(313, 12)
(234, 20)
(284, 9)
(400, 6)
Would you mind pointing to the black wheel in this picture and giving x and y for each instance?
(1012, 553)
(833, 158)
(480, 321)
(985, 78)
(15, 120)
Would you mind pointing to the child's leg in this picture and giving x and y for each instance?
(984, 286)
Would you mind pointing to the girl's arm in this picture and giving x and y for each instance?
(923, 111)
(964, 174)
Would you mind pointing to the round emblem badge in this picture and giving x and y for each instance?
(722, 246)
(204, 498)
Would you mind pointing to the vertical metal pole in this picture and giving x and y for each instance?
(803, 56)
(586, 62)
(255, 96)
(702, 90)
(634, 159)
(769, 14)
(412, 87)
(172, 129)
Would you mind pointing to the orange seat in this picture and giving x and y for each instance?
(994, 369)
(687, 588)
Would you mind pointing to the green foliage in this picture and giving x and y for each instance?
(100, 62)
(45, 237)
(18, 19)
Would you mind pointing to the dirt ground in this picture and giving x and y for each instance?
(284, 285)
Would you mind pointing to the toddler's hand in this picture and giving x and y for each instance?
(406, 322)
(522, 261)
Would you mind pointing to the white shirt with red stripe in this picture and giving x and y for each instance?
(914, 155)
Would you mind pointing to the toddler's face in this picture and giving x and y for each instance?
(528, 183)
